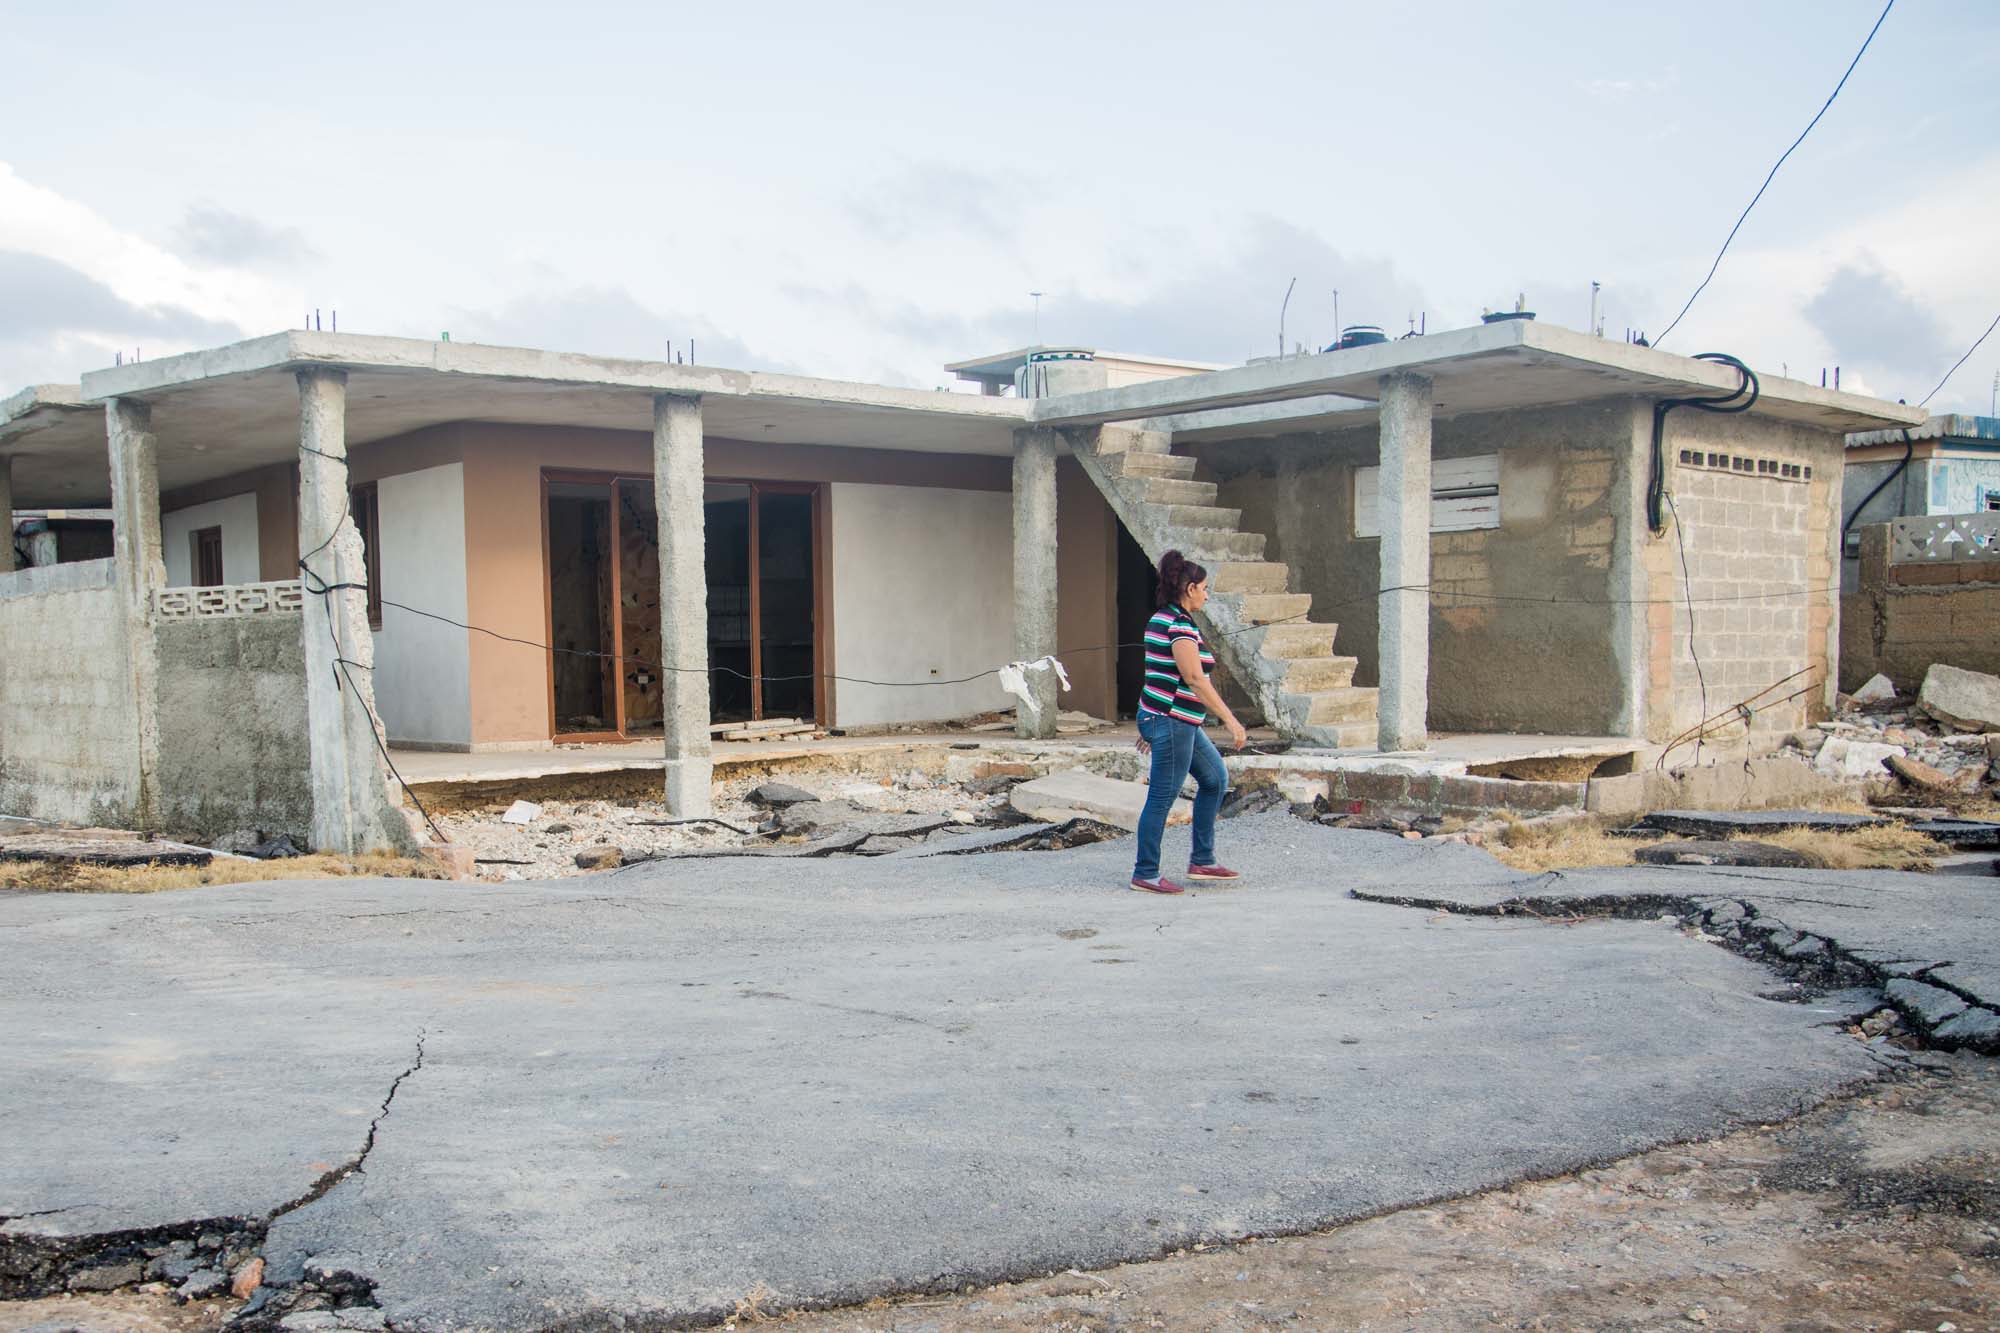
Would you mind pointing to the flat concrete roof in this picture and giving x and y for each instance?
(1510, 364)
(1955, 426)
(229, 409)
(1000, 367)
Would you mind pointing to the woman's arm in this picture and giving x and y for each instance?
(1188, 658)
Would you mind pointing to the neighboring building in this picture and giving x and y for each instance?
(506, 548)
(60, 536)
(1947, 465)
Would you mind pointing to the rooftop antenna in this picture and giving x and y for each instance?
(1038, 316)
(1336, 317)
(1993, 403)
(1286, 305)
(1595, 287)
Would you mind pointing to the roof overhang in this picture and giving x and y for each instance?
(1953, 427)
(1508, 365)
(230, 409)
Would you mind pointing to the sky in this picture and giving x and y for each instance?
(870, 191)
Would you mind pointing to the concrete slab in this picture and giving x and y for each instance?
(1061, 796)
(644, 1095)
(1729, 823)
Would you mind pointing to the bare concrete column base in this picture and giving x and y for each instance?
(690, 787)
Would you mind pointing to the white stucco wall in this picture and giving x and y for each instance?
(236, 515)
(423, 686)
(922, 589)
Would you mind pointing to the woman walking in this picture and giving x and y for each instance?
(1173, 703)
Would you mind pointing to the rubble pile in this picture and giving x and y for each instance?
(1941, 745)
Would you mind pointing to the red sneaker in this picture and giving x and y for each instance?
(1212, 872)
(1162, 885)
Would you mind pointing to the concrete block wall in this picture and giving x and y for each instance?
(1762, 562)
(234, 752)
(1523, 634)
(68, 743)
(1903, 619)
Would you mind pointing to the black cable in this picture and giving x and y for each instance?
(1909, 451)
(1774, 173)
(1925, 401)
(1740, 399)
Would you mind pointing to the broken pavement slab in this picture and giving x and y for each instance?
(1731, 823)
(1068, 795)
(126, 851)
(1704, 852)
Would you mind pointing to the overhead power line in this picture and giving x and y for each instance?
(1961, 361)
(1774, 172)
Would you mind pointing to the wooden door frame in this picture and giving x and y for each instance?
(609, 480)
(819, 538)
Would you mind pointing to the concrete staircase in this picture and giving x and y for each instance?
(1255, 625)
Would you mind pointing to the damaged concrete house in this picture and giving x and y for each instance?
(1512, 528)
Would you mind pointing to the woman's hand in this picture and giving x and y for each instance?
(1143, 746)
(1237, 734)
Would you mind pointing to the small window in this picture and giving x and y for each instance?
(367, 514)
(205, 557)
(1465, 495)
(1992, 501)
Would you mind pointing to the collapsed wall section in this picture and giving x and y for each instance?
(69, 747)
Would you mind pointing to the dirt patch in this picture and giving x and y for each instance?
(70, 877)
(1589, 843)
(138, 1311)
(1876, 1212)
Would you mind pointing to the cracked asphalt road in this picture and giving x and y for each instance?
(648, 1094)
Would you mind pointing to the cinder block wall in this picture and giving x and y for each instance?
(234, 750)
(1906, 618)
(1523, 633)
(1761, 569)
(68, 739)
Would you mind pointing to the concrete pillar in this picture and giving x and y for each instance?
(351, 808)
(1035, 453)
(677, 498)
(6, 514)
(135, 551)
(1404, 503)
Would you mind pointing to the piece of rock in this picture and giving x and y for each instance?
(1843, 758)
(522, 812)
(1878, 690)
(1967, 700)
(603, 856)
(1916, 772)
(247, 1279)
(1700, 852)
(201, 1284)
(1967, 834)
(108, 1277)
(1809, 741)
(776, 795)
(1061, 796)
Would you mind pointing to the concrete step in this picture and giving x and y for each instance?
(1218, 545)
(1169, 491)
(1140, 464)
(1333, 707)
(1343, 736)
(1204, 516)
(1312, 675)
(1301, 638)
(1247, 576)
(1261, 608)
(1150, 442)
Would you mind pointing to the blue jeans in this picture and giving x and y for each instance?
(1178, 747)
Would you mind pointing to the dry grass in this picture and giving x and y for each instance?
(69, 877)
(1579, 844)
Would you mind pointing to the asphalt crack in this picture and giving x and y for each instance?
(325, 1184)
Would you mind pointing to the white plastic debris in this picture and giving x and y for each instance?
(522, 812)
(1014, 680)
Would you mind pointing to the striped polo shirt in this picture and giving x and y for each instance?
(1164, 691)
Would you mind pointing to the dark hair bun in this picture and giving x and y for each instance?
(1177, 573)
